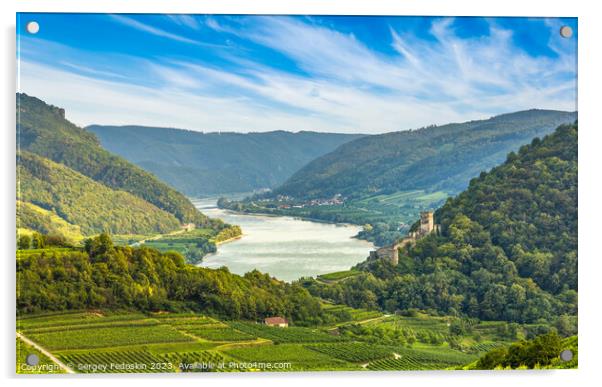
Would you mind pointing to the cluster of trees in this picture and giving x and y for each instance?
(539, 352)
(43, 130)
(382, 234)
(106, 276)
(229, 232)
(507, 251)
(40, 241)
(384, 335)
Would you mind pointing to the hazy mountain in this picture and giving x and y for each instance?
(211, 163)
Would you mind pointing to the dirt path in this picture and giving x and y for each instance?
(45, 352)
(384, 316)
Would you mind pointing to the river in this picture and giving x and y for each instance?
(286, 248)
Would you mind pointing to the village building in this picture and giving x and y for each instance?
(280, 322)
(188, 227)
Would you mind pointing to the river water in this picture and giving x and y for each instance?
(286, 248)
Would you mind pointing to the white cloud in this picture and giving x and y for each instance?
(88, 101)
(350, 87)
(189, 21)
(150, 29)
(160, 32)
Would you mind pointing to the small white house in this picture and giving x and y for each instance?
(276, 322)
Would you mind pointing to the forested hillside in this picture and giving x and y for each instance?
(507, 248)
(111, 277)
(436, 158)
(43, 130)
(212, 163)
(81, 201)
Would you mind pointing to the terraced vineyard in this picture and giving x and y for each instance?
(199, 361)
(218, 333)
(417, 359)
(285, 335)
(353, 313)
(417, 323)
(289, 357)
(353, 352)
(116, 362)
(109, 336)
(145, 361)
(485, 347)
(126, 342)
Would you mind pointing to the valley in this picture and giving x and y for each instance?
(118, 271)
(383, 181)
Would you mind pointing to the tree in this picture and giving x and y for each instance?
(37, 241)
(99, 246)
(24, 242)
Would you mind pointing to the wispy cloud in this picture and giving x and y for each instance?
(334, 81)
(150, 29)
(189, 21)
(163, 33)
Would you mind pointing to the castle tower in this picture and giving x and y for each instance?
(395, 255)
(427, 222)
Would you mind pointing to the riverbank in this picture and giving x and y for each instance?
(229, 240)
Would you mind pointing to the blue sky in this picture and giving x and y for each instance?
(260, 73)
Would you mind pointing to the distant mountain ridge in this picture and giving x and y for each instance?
(201, 164)
(435, 158)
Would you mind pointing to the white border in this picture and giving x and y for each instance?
(589, 182)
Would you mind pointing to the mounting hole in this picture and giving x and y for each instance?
(33, 27)
(566, 32)
(566, 355)
(32, 359)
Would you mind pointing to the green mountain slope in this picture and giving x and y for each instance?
(507, 248)
(442, 158)
(43, 130)
(81, 201)
(211, 163)
(32, 218)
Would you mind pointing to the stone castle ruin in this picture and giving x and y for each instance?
(391, 253)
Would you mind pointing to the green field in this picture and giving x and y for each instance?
(285, 335)
(193, 244)
(354, 352)
(339, 275)
(125, 342)
(347, 313)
